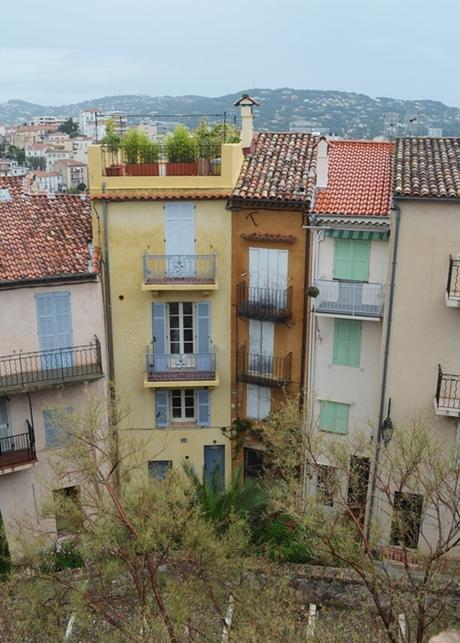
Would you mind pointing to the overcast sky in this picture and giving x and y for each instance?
(61, 52)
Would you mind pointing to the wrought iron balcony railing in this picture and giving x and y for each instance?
(453, 278)
(41, 369)
(264, 370)
(179, 269)
(353, 299)
(265, 304)
(176, 367)
(448, 393)
(16, 450)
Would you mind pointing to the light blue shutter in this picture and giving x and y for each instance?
(203, 404)
(161, 403)
(52, 437)
(54, 319)
(204, 339)
(159, 336)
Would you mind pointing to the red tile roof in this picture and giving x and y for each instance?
(161, 195)
(279, 171)
(427, 168)
(42, 236)
(359, 179)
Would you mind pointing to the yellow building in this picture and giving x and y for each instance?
(165, 243)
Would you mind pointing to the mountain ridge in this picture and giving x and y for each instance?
(349, 114)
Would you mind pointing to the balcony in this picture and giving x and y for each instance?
(264, 304)
(22, 372)
(349, 299)
(453, 283)
(264, 370)
(17, 451)
(207, 162)
(179, 272)
(447, 399)
(176, 370)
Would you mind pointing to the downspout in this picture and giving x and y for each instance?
(305, 324)
(386, 354)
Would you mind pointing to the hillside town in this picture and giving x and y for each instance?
(228, 298)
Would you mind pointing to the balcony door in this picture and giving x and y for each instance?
(180, 240)
(261, 347)
(5, 427)
(214, 466)
(54, 320)
(268, 276)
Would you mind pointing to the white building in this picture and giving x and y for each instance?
(80, 146)
(51, 345)
(9, 167)
(35, 150)
(57, 153)
(50, 182)
(73, 173)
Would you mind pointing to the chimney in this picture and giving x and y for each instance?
(246, 103)
(322, 162)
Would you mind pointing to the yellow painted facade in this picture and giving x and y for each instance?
(137, 227)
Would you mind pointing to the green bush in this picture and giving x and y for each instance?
(131, 143)
(149, 151)
(5, 558)
(181, 146)
(65, 556)
(279, 538)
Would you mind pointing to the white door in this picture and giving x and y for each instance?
(261, 346)
(180, 239)
(268, 268)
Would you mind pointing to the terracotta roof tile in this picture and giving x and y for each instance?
(359, 179)
(427, 167)
(161, 195)
(280, 169)
(42, 236)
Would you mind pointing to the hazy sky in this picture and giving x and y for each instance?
(60, 52)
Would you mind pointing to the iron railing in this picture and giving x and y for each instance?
(265, 304)
(205, 160)
(264, 370)
(453, 278)
(18, 449)
(447, 391)
(355, 299)
(180, 366)
(179, 269)
(39, 369)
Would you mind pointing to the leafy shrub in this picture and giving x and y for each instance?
(181, 146)
(279, 538)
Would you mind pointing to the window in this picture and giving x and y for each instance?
(190, 406)
(407, 517)
(181, 328)
(253, 463)
(347, 343)
(351, 259)
(334, 417)
(358, 480)
(68, 511)
(158, 469)
(183, 405)
(326, 482)
(54, 421)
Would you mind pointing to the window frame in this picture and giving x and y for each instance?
(181, 341)
(336, 405)
(183, 419)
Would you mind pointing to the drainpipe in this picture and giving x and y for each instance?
(306, 321)
(386, 355)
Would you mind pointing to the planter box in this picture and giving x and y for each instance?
(142, 169)
(181, 169)
(204, 167)
(115, 170)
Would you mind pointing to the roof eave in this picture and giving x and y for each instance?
(269, 204)
(10, 284)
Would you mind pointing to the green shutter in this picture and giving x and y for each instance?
(334, 417)
(351, 259)
(347, 343)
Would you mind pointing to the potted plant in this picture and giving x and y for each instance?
(181, 151)
(111, 143)
(149, 153)
(203, 138)
(130, 144)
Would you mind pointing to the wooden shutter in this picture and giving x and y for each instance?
(5, 429)
(347, 343)
(159, 328)
(180, 228)
(334, 417)
(203, 408)
(161, 408)
(351, 259)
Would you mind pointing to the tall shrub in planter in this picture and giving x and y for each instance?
(112, 142)
(130, 144)
(149, 153)
(182, 151)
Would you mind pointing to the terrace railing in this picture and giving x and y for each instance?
(448, 393)
(453, 278)
(265, 304)
(42, 369)
(179, 269)
(180, 366)
(264, 370)
(353, 299)
(17, 449)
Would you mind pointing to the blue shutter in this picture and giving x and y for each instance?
(54, 320)
(204, 362)
(161, 403)
(203, 406)
(159, 336)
